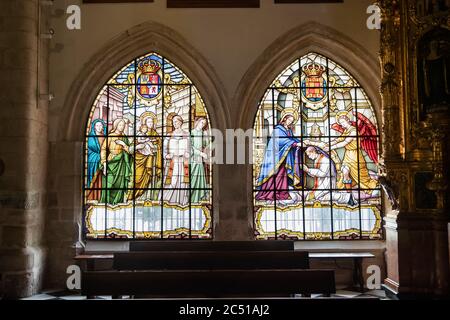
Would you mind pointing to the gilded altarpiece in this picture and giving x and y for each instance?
(414, 57)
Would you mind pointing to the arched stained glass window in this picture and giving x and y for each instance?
(147, 169)
(316, 152)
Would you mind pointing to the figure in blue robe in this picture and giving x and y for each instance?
(281, 167)
(93, 152)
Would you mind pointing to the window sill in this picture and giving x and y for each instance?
(340, 246)
(312, 246)
(107, 246)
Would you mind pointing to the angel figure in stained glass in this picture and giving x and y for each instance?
(352, 173)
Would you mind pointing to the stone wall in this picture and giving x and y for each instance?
(24, 147)
(231, 55)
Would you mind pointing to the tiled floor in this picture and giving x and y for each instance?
(71, 295)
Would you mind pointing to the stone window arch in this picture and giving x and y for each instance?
(308, 38)
(116, 53)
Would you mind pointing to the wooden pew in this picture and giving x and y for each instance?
(209, 283)
(87, 261)
(207, 245)
(189, 260)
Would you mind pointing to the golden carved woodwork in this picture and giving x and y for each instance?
(410, 143)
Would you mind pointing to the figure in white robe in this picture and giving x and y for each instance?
(176, 180)
(325, 178)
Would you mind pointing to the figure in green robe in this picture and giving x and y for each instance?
(198, 156)
(116, 164)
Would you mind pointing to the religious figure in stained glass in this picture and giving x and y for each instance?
(116, 164)
(433, 71)
(354, 168)
(198, 172)
(146, 126)
(94, 143)
(177, 158)
(316, 178)
(148, 159)
(281, 166)
(325, 178)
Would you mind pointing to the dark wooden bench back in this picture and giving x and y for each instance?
(207, 245)
(211, 283)
(211, 260)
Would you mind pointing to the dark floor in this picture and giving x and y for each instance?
(72, 295)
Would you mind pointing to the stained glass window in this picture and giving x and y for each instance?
(315, 155)
(147, 173)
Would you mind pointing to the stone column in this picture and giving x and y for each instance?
(23, 148)
(235, 220)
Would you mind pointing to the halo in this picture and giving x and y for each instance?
(341, 114)
(146, 115)
(289, 112)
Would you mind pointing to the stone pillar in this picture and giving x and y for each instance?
(64, 208)
(23, 148)
(236, 222)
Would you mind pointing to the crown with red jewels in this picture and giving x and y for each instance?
(149, 66)
(313, 70)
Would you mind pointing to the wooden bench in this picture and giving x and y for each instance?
(88, 260)
(207, 245)
(206, 268)
(357, 257)
(192, 260)
(209, 283)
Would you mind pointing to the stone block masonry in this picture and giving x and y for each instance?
(24, 148)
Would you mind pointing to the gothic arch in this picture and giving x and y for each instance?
(306, 38)
(137, 41)
(117, 52)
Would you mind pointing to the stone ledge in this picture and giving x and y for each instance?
(340, 246)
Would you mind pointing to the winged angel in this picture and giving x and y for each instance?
(353, 165)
